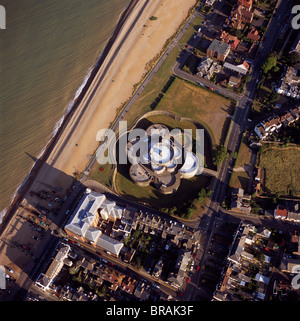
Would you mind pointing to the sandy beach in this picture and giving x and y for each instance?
(139, 40)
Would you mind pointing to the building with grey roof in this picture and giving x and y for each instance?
(83, 223)
(218, 49)
(109, 244)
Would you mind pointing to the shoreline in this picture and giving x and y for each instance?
(22, 189)
(130, 39)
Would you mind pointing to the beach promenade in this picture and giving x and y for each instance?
(138, 40)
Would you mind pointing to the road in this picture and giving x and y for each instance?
(220, 183)
(235, 135)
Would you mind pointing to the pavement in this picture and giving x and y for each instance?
(214, 211)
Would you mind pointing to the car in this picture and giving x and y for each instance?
(249, 120)
(211, 88)
(67, 212)
(266, 249)
(35, 238)
(188, 280)
(199, 83)
(156, 285)
(197, 268)
(179, 294)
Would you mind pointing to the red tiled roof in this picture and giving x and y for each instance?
(281, 211)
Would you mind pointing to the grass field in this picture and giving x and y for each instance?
(240, 179)
(281, 168)
(191, 101)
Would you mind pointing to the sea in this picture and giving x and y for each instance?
(47, 52)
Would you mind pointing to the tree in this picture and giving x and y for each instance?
(292, 58)
(247, 78)
(269, 63)
(220, 154)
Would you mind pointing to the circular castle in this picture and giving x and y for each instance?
(159, 157)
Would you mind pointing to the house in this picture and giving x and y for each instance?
(234, 81)
(142, 291)
(280, 213)
(287, 119)
(289, 265)
(289, 85)
(253, 34)
(176, 277)
(241, 68)
(239, 16)
(238, 246)
(246, 3)
(209, 2)
(267, 127)
(233, 41)
(129, 284)
(239, 201)
(207, 68)
(218, 49)
(296, 112)
(45, 280)
(293, 208)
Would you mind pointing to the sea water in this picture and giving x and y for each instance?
(47, 51)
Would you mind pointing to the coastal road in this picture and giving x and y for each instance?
(140, 89)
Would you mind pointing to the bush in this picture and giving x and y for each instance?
(220, 154)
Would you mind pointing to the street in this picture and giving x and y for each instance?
(214, 213)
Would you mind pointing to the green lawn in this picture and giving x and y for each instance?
(161, 77)
(105, 176)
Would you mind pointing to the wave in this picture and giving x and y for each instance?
(61, 120)
(55, 130)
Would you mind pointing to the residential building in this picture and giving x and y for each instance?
(177, 276)
(45, 280)
(209, 2)
(253, 34)
(290, 213)
(84, 224)
(239, 16)
(238, 278)
(218, 49)
(207, 68)
(289, 265)
(280, 213)
(267, 127)
(239, 201)
(234, 81)
(246, 3)
(289, 85)
(241, 68)
(233, 41)
(238, 245)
